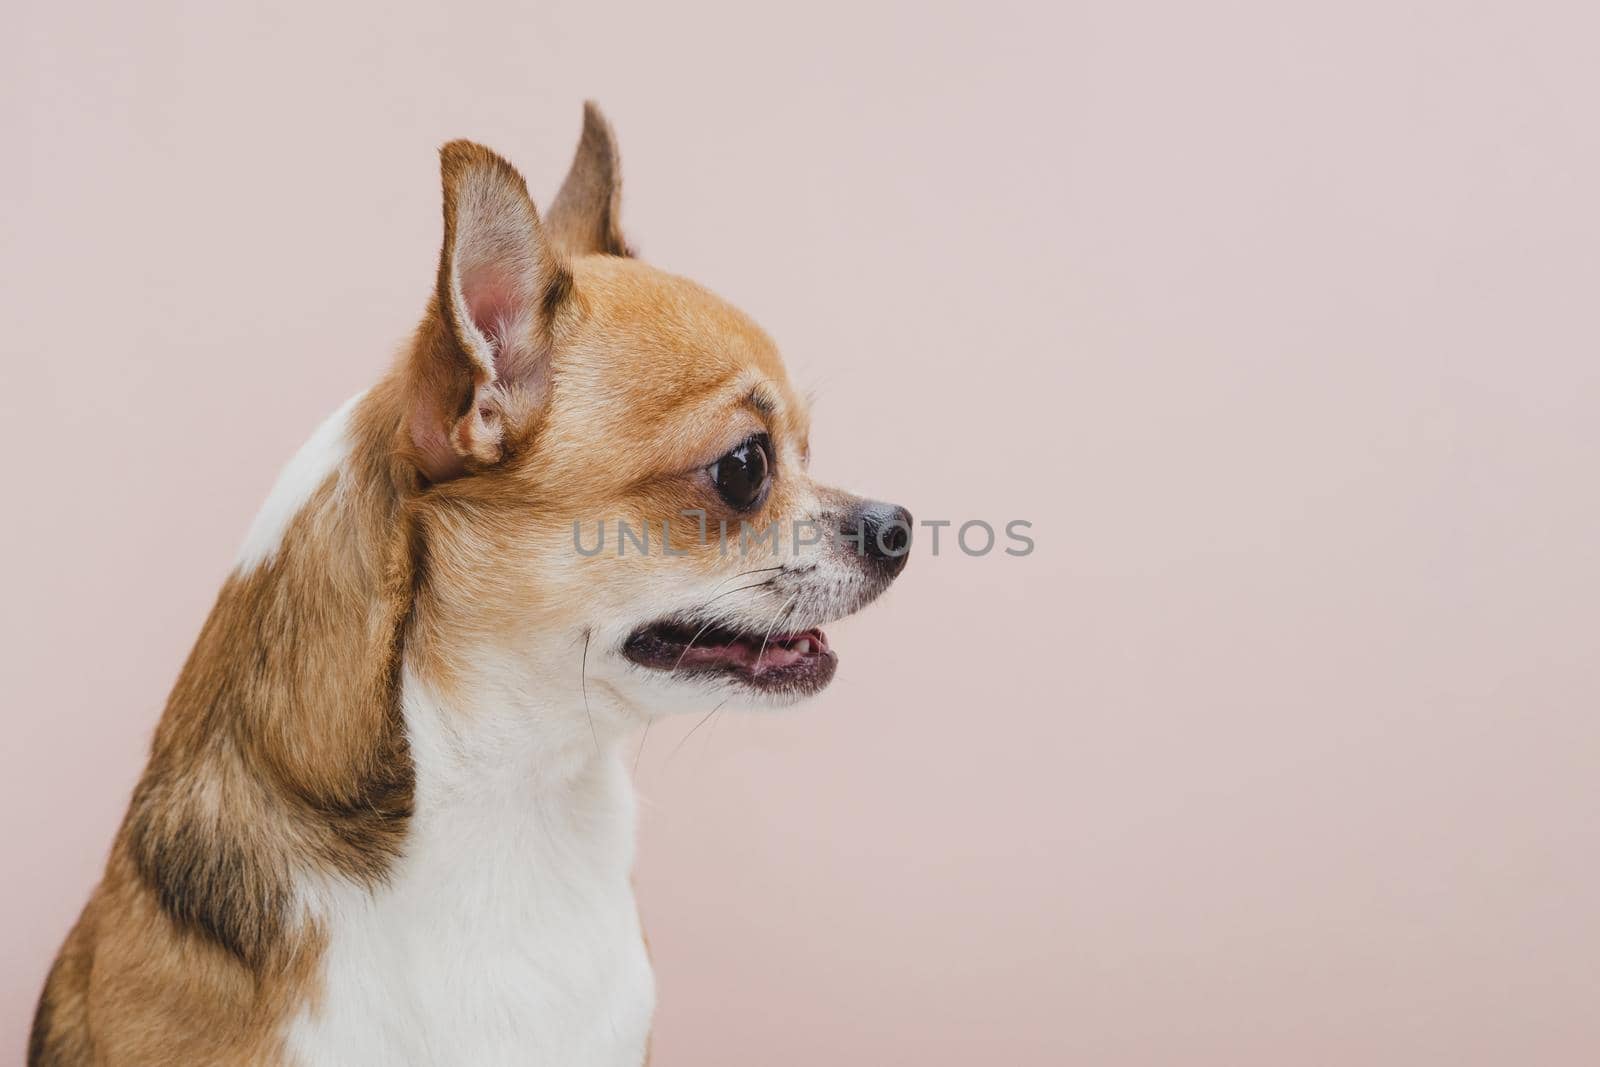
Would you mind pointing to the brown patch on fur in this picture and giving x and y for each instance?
(129, 989)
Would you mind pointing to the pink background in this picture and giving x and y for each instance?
(1280, 326)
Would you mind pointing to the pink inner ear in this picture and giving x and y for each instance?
(491, 301)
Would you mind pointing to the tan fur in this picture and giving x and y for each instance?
(282, 754)
(585, 216)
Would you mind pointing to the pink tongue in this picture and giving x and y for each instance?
(779, 652)
(777, 656)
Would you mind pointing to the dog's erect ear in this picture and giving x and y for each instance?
(482, 358)
(585, 216)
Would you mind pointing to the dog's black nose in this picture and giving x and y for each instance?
(885, 533)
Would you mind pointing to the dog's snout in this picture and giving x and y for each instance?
(885, 535)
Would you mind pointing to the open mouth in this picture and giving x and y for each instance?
(798, 662)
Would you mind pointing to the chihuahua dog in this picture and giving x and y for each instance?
(386, 819)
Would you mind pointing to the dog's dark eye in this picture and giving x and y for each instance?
(741, 476)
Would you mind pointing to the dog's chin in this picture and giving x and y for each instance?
(779, 667)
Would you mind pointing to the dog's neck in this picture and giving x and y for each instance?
(509, 767)
(515, 728)
(516, 860)
(517, 855)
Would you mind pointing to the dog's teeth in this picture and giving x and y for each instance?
(803, 646)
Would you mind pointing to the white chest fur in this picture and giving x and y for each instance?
(507, 933)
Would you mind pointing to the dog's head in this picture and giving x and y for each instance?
(612, 463)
